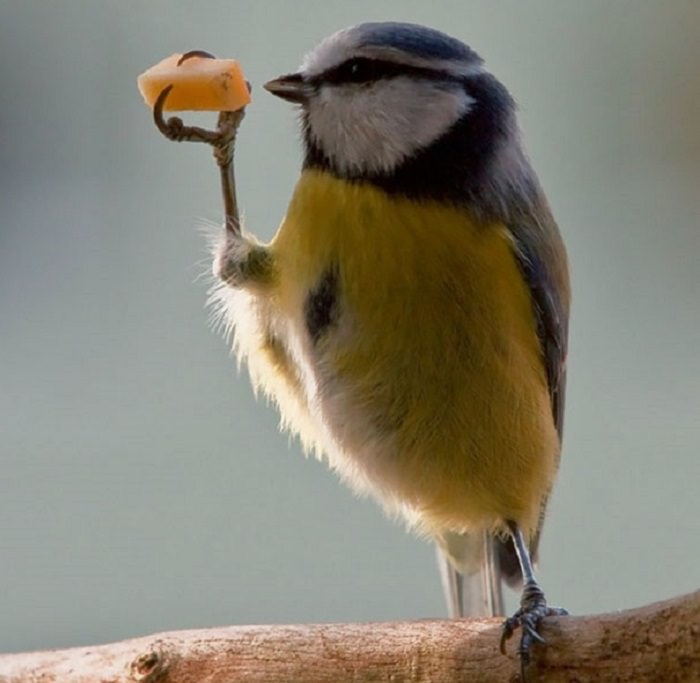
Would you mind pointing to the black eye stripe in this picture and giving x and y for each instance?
(363, 70)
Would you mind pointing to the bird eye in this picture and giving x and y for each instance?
(355, 68)
(359, 70)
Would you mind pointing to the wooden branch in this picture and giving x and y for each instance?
(659, 642)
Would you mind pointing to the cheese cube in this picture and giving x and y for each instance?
(199, 84)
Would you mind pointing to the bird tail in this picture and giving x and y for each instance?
(471, 574)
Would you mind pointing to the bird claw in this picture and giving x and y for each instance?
(223, 140)
(533, 608)
(174, 128)
(195, 53)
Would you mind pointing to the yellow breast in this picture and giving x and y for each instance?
(431, 384)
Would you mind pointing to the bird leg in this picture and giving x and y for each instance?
(533, 605)
(222, 140)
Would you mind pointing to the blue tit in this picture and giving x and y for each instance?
(409, 318)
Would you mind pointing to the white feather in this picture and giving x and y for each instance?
(374, 127)
(348, 43)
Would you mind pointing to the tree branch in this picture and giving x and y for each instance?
(659, 642)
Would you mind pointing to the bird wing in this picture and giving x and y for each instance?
(541, 255)
(542, 259)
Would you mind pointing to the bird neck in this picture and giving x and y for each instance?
(479, 163)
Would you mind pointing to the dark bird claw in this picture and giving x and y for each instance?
(533, 608)
(195, 53)
(174, 129)
(223, 141)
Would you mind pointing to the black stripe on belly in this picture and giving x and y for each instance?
(321, 305)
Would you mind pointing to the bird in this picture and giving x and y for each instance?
(409, 318)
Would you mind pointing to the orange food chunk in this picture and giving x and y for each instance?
(199, 84)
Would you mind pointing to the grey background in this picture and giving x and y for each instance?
(144, 489)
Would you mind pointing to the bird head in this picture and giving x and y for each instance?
(408, 108)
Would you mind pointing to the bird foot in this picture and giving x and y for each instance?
(533, 608)
(222, 140)
(174, 128)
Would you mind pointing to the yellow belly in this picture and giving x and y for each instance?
(429, 390)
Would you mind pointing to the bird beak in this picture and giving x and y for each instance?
(290, 87)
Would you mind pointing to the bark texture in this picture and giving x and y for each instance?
(659, 642)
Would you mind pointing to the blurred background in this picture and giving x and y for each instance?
(142, 488)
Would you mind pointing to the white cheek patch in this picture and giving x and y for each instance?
(373, 128)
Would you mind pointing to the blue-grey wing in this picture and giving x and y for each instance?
(542, 259)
